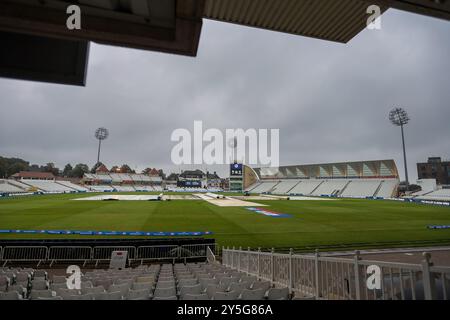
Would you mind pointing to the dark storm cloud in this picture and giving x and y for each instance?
(330, 101)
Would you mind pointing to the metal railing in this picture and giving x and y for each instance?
(157, 253)
(61, 253)
(103, 253)
(339, 278)
(210, 255)
(24, 253)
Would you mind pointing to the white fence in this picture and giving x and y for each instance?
(98, 254)
(343, 278)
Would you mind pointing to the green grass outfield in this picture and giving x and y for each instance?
(343, 223)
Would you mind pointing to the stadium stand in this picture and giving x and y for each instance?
(48, 186)
(144, 188)
(378, 178)
(439, 195)
(122, 182)
(265, 187)
(387, 188)
(72, 185)
(306, 187)
(330, 187)
(361, 188)
(101, 188)
(115, 178)
(285, 186)
(187, 189)
(19, 184)
(124, 188)
(6, 187)
(193, 281)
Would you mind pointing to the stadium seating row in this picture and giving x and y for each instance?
(122, 177)
(61, 186)
(196, 190)
(438, 195)
(158, 282)
(352, 188)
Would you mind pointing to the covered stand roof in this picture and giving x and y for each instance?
(39, 46)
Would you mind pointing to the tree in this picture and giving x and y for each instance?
(10, 166)
(79, 170)
(95, 167)
(67, 172)
(50, 167)
(35, 168)
(126, 169)
(114, 169)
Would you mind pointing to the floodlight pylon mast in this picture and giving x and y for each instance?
(399, 117)
(404, 156)
(100, 134)
(98, 152)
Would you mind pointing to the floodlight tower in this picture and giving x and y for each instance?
(232, 143)
(100, 134)
(399, 117)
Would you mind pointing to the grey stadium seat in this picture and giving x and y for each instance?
(166, 279)
(66, 292)
(143, 294)
(39, 284)
(122, 288)
(265, 285)
(249, 278)
(142, 285)
(202, 296)
(21, 290)
(231, 295)
(40, 274)
(196, 289)
(4, 282)
(108, 296)
(86, 284)
(145, 279)
(165, 298)
(11, 295)
(34, 294)
(278, 294)
(50, 298)
(164, 292)
(225, 282)
(257, 294)
(55, 286)
(165, 284)
(239, 286)
(187, 282)
(94, 290)
(22, 278)
(88, 296)
(211, 289)
(59, 279)
(105, 283)
(205, 282)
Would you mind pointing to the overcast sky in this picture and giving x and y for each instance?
(330, 101)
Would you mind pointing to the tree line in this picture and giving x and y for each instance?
(10, 166)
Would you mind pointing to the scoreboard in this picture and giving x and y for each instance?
(236, 170)
(236, 177)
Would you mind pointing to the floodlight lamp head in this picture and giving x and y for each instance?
(101, 133)
(398, 117)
